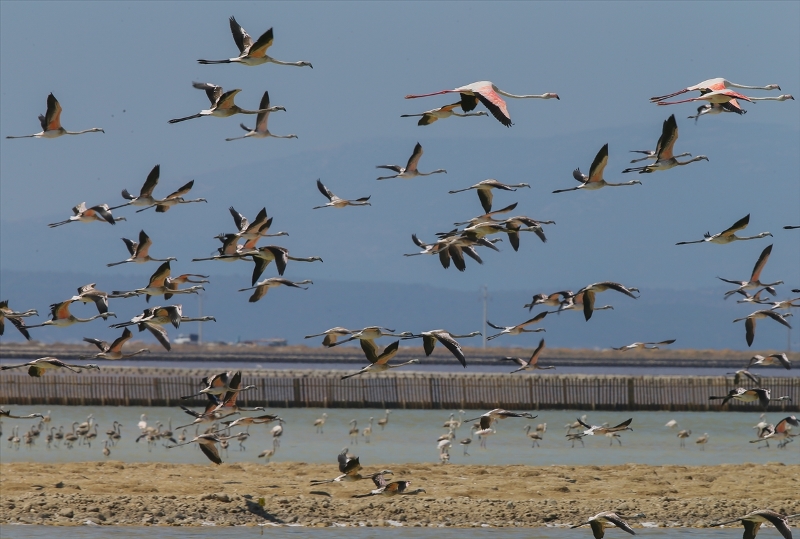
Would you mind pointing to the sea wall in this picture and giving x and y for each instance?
(314, 388)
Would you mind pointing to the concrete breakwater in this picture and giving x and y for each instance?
(314, 388)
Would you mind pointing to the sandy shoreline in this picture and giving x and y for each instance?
(115, 493)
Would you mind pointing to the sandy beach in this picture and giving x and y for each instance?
(137, 494)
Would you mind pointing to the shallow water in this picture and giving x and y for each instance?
(411, 436)
(94, 532)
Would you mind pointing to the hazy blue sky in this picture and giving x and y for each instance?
(128, 67)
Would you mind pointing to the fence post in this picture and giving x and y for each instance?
(631, 394)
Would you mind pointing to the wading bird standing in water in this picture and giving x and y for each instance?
(51, 123)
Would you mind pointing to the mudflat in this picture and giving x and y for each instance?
(113, 492)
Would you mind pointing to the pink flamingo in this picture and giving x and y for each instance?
(712, 85)
(717, 96)
(489, 95)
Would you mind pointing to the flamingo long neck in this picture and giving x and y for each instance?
(499, 91)
(401, 364)
(734, 85)
(434, 93)
(92, 130)
(692, 160)
(632, 182)
(779, 98)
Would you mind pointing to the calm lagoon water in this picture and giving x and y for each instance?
(411, 436)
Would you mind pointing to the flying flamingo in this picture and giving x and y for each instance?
(489, 95)
(717, 108)
(222, 104)
(595, 178)
(82, 214)
(15, 317)
(728, 235)
(644, 345)
(51, 123)
(519, 328)
(530, 364)
(379, 362)
(484, 189)
(61, 317)
(717, 96)
(711, 85)
(173, 199)
(38, 367)
(755, 277)
(430, 116)
(410, 170)
(665, 159)
(252, 54)
(140, 251)
(750, 322)
(261, 288)
(113, 350)
(447, 339)
(260, 130)
(336, 202)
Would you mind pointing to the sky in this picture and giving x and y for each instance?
(127, 67)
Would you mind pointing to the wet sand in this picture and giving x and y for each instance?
(116, 493)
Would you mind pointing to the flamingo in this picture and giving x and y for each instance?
(113, 350)
(260, 130)
(682, 435)
(488, 94)
(261, 288)
(8, 414)
(553, 300)
(783, 304)
(607, 519)
(38, 367)
(717, 108)
(778, 432)
(252, 54)
(173, 199)
(665, 159)
(370, 333)
(220, 384)
(349, 467)
(410, 170)
(711, 85)
(590, 291)
(652, 154)
(382, 422)
(595, 178)
(256, 229)
(389, 489)
(772, 359)
(61, 317)
(749, 395)
(51, 123)
(447, 339)
(319, 423)
(530, 364)
(430, 116)
(600, 430)
(15, 318)
(644, 346)
(331, 335)
(89, 294)
(145, 197)
(379, 362)
(716, 96)
(750, 322)
(752, 522)
(729, 235)
(267, 454)
(519, 328)
(262, 256)
(336, 202)
(140, 251)
(82, 214)
(172, 283)
(222, 104)
(207, 444)
(157, 286)
(755, 276)
(484, 189)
